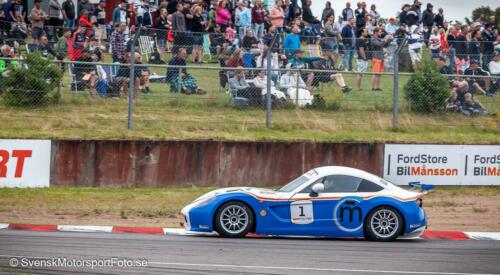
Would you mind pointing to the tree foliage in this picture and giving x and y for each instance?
(33, 84)
(427, 90)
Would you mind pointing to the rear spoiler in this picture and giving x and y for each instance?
(420, 187)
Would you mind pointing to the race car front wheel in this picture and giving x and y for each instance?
(233, 219)
(383, 224)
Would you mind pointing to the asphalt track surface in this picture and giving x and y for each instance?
(215, 255)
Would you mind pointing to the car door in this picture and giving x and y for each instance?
(337, 211)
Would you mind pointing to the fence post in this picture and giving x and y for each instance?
(131, 83)
(395, 100)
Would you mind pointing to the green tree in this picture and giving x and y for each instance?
(427, 90)
(34, 84)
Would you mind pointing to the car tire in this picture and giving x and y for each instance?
(233, 219)
(383, 224)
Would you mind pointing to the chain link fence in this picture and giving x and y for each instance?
(239, 87)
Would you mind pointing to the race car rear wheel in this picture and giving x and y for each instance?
(383, 224)
(234, 219)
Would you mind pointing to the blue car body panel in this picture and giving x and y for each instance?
(336, 217)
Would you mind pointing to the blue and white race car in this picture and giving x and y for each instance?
(331, 201)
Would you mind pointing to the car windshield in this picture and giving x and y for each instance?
(294, 184)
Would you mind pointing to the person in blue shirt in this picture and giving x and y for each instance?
(292, 42)
(300, 62)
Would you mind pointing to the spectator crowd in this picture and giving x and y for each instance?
(241, 34)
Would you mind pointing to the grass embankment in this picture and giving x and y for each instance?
(357, 116)
(455, 208)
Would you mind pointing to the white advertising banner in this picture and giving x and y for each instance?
(442, 164)
(24, 163)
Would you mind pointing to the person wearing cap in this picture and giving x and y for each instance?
(477, 84)
(428, 20)
(38, 17)
(415, 44)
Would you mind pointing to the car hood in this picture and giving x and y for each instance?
(253, 191)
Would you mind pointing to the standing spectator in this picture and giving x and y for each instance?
(428, 20)
(222, 16)
(277, 16)
(17, 13)
(286, 10)
(188, 35)
(121, 14)
(118, 43)
(330, 42)
(5, 18)
(198, 29)
(69, 14)
(349, 40)
(361, 15)
(38, 17)
(435, 43)
(178, 28)
(372, 24)
(475, 46)
(327, 11)
(172, 6)
(412, 16)
(403, 16)
(391, 29)
(488, 38)
(258, 19)
(54, 13)
(377, 47)
(439, 18)
(292, 42)
(85, 5)
(415, 43)
(62, 45)
(374, 13)
(99, 20)
(142, 14)
(211, 19)
(243, 19)
(362, 47)
(347, 13)
(79, 42)
(162, 27)
(416, 7)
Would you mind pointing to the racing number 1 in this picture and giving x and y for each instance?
(301, 212)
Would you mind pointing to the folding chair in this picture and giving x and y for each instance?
(146, 45)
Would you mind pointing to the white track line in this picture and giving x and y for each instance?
(314, 269)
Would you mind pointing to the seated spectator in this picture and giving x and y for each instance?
(452, 103)
(443, 67)
(235, 61)
(250, 42)
(86, 74)
(5, 64)
(180, 80)
(299, 61)
(275, 62)
(96, 49)
(44, 47)
(239, 87)
(141, 73)
(79, 42)
(292, 42)
(472, 106)
(477, 84)
(220, 43)
(494, 68)
(295, 87)
(260, 81)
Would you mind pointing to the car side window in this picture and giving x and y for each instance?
(345, 184)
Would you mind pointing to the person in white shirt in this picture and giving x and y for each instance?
(295, 88)
(435, 43)
(494, 68)
(415, 44)
(389, 51)
(260, 81)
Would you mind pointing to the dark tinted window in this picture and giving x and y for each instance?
(345, 184)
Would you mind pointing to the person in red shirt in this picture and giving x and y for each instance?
(85, 21)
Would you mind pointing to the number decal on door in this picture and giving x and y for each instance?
(302, 212)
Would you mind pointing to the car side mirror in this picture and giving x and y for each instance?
(317, 188)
